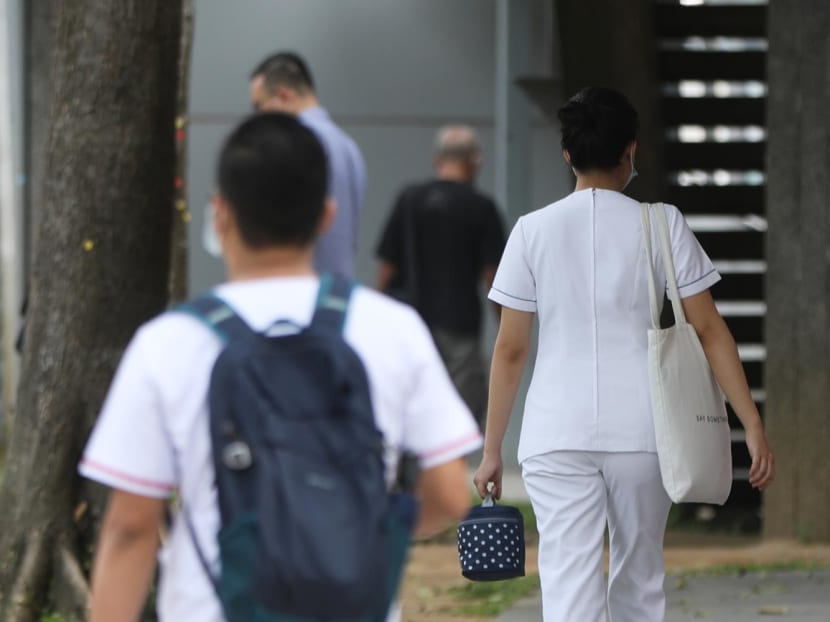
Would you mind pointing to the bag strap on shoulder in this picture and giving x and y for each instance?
(332, 303)
(217, 315)
(664, 241)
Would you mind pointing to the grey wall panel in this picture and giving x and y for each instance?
(552, 179)
(204, 143)
(369, 57)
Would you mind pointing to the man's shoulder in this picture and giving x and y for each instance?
(369, 305)
(175, 331)
(378, 320)
(453, 191)
(421, 186)
(327, 130)
(465, 193)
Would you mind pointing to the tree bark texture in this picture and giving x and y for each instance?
(612, 43)
(99, 269)
(181, 213)
(798, 275)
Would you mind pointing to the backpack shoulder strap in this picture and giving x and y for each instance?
(217, 315)
(332, 303)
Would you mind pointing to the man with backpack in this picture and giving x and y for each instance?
(276, 411)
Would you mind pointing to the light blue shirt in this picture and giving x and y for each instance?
(347, 184)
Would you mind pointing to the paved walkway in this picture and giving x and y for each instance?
(792, 596)
(796, 596)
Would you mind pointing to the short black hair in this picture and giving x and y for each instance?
(597, 125)
(285, 68)
(272, 171)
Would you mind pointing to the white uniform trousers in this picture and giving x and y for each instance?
(574, 494)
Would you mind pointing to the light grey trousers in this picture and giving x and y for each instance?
(574, 495)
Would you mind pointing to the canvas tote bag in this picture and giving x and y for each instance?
(690, 422)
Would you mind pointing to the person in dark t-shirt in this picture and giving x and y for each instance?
(442, 241)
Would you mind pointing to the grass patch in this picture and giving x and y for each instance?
(741, 569)
(489, 599)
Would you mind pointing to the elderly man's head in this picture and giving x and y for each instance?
(457, 153)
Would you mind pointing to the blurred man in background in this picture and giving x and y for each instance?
(443, 240)
(283, 83)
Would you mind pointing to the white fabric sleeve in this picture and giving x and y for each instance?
(130, 448)
(438, 426)
(693, 268)
(515, 286)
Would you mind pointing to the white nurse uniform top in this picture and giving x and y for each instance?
(580, 265)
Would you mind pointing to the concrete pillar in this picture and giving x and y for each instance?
(512, 126)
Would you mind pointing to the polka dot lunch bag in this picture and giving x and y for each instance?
(491, 542)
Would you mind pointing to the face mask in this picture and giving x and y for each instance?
(210, 241)
(634, 172)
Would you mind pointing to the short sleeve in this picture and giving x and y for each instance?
(438, 426)
(492, 241)
(693, 268)
(130, 448)
(515, 286)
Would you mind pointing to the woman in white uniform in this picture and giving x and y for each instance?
(587, 447)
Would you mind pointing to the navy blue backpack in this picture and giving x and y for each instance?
(308, 528)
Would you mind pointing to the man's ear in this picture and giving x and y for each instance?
(567, 156)
(329, 213)
(283, 99)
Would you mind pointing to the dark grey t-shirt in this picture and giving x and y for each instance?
(440, 236)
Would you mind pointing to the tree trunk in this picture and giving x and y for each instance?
(99, 269)
(798, 276)
(612, 43)
(181, 213)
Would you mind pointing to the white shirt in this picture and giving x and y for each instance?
(580, 265)
(152, 435)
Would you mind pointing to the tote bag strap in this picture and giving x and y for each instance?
(668, 262)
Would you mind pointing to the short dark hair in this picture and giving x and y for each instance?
(272, 171)
(597, 125)
(287, 69)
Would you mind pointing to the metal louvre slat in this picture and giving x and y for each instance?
(739, 287)
(712, 65)
(716, 155)
(709, 200)
(733, 21)
(746, 329)
(732, 245)
(714, 111)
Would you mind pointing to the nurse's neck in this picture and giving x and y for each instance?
(601, 180)
(615, 179)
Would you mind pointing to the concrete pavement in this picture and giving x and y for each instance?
(794, 596)
(791, 596)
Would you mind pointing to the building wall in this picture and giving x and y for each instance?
(390, 72)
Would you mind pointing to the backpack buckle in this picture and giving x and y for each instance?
(237, 456)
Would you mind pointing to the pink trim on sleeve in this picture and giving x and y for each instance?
(430, 455)
(132, 479)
